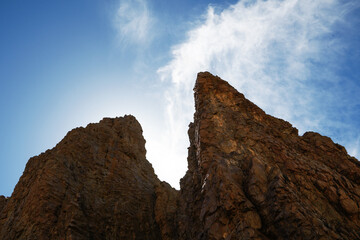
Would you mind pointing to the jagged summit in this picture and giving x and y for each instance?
(258, 179)
(95, 184)
(250, 176)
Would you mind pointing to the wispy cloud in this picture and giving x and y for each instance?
(134, 22)
(283, 55)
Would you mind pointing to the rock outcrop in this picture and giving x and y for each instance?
(95, 184)
(250, 176)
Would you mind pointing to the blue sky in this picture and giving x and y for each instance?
(64, 64)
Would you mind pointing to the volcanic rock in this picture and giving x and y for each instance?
(250, 176)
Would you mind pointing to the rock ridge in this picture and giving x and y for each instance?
(250, 176)
(256, 178)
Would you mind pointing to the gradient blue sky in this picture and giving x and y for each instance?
(64, 64)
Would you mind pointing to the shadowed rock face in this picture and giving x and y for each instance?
(250, 176)
(95, 184)
(3, 202)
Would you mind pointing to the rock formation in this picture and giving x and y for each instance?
(250, 176)
(95, 184)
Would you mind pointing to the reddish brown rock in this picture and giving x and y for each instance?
(252, 177)
(165, 211)
(95, 184)
(3, 201)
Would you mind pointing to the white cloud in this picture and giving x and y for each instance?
(276, 52)
(134, 22)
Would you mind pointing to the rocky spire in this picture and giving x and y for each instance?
(252, 177)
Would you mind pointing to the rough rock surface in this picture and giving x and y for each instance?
(3, 201)
(250, 176)
(95, 184)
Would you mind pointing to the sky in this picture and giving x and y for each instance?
(64, 64)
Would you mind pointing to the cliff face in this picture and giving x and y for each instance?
(250, 176)
(95, 184)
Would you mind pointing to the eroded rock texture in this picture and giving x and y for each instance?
(95, 184)
(3, 202)
(252, 177)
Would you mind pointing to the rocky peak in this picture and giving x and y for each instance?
(95, 184)
(250, 176)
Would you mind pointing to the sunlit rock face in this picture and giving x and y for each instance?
(250, 176)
